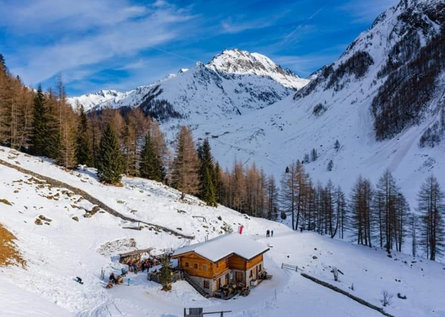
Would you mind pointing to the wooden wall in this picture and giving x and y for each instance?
(234, 262)
(238, 263)
(212, 269)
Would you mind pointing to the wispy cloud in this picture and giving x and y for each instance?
(113, 31)
(366, 11)
(99, 44)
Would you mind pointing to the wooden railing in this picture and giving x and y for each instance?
(289, 267)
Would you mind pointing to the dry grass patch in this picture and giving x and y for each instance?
(5, 201)
(9, 255)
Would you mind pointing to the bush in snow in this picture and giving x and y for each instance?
(386, 300)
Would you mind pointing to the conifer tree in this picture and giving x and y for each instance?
(150, 165)
(432, 209)
(185, 174)
(39, 140)
(219, 184)
(165, 276)
(83, 143)
(391, 209)
(206, 175)
(361, 209)
(54, 143)
(110, 164)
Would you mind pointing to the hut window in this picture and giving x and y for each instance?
(204, 267)
(186, 264)
(251, 273)
(195, 266)
(206, 284)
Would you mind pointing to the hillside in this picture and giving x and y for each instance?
(382, 100)
(233, 83)
(64, 247)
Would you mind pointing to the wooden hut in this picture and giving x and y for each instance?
(226, 259)
(133, 256)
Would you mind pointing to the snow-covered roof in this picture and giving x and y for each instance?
(222, 246)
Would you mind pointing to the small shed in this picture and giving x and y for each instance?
(133, 256)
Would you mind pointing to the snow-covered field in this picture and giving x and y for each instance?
(64, 248)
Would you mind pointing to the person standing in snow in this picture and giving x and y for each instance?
(112, 278)
(267, 233)
(271, 233)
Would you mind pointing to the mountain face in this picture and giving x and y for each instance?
(404, 55)
(383, 100)
(233, 83)
(244, 63)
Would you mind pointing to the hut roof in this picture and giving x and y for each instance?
(225, 245)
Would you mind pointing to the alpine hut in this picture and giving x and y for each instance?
(231, 258)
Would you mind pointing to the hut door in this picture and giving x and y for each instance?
(239, 276)
(218, 283)
(227, 279)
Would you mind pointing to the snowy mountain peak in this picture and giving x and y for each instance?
(240, 62)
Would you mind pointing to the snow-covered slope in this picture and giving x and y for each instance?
(233, 83)
(242, 62)
(383, 100)
(64, 247)
(88, 101)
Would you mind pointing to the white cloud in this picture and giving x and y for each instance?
(111, 31)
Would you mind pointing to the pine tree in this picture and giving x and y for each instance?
(337, 145)
(185, 174)
(314, 155)
(110, 164)
(295, 192)
(287, 193)
(129, 147)
(272, 196)
(330, 165)
(83, 144)
(39, 140)
(432, 208)
(207, 175)
(392, 210)
(361, 208)
(165, 276)
(150, 165)
(341, 210)
(53, 139)
(219, 183)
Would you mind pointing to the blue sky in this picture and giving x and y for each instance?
(121, 44)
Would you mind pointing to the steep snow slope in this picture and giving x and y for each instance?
(242, 62)
(233, 83)
(346, 102)
(387, 86)
(61, 249)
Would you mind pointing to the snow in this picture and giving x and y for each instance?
(59, 251)
(243, 62)
(224, 245)
(274, 132)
